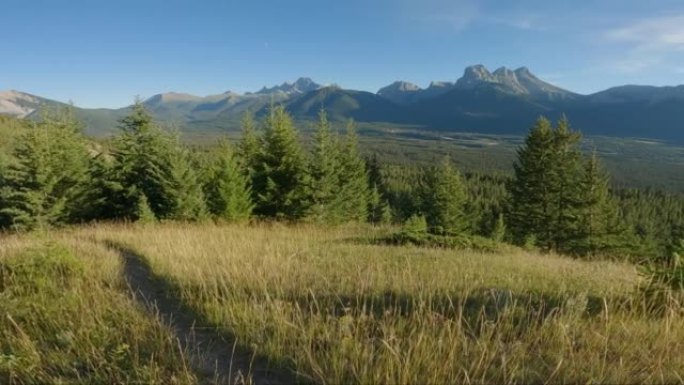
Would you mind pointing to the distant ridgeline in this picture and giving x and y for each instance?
(499, 102)
(558, 197)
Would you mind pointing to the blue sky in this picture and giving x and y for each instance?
(104, 53)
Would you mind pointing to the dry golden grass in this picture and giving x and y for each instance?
(340, 310)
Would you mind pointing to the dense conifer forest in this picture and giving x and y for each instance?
(558, 197)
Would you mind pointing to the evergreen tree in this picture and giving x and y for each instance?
(227, 189)
(147, 160)
(378, 209)
(532, 200)
(565, 185)
(46, 173)
(325, 175)
(598, 224)
(415, 228)
(104, 197)
(375, 177)
(443, 199)
(353, 187)
(183, 192)
(139, 154)
(249, 146)
(280, 177)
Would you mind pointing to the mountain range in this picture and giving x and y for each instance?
(504, 101)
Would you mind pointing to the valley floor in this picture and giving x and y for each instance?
(271, 303)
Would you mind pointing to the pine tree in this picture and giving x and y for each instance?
(353, 190)
(183, 192)
(566, 175)
(325, 172)
(598, 226)
(227, 189)
(548, 195)
(378, 209)
(532, 200)
(443, 199)
(103, 196)
(249, 146)
(46, 174)
(147, 160)
(375, 177)
(280, 178)
(139, 155)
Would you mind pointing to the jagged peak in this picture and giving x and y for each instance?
(520, 81)
(399, 86)
(299, 86)
(477, 70)
(503, 71)
(523, 70)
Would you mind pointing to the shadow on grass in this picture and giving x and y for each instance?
(478, 308)
(215, 355)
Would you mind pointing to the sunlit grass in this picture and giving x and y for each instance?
(66, 316)
(338, 309)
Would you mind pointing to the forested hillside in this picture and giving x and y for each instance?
(558, 198)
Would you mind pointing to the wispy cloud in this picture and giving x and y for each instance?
(648, 43)
(652, 34)
(634, 64)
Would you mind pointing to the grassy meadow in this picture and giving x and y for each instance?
(66, 316)
(329, 304)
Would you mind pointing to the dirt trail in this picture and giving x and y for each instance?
(213, 354)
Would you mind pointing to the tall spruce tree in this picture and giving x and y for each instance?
(325, 170)
(379, 210)
(565, 185)
(183, 192)
(248, 148)
(443, 199)
(104, 197)
(353, 193)
(148, 160)
(227, 189)
(46, 173)
(532, 200)
(546, 192)
(280, 179)
(139, 154)
(598, 226)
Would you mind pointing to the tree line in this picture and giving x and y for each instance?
(557, 199)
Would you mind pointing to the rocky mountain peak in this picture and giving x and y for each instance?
(473, 76)
(519, 81)
(400, 92)
(300, 86)
(399, 86)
